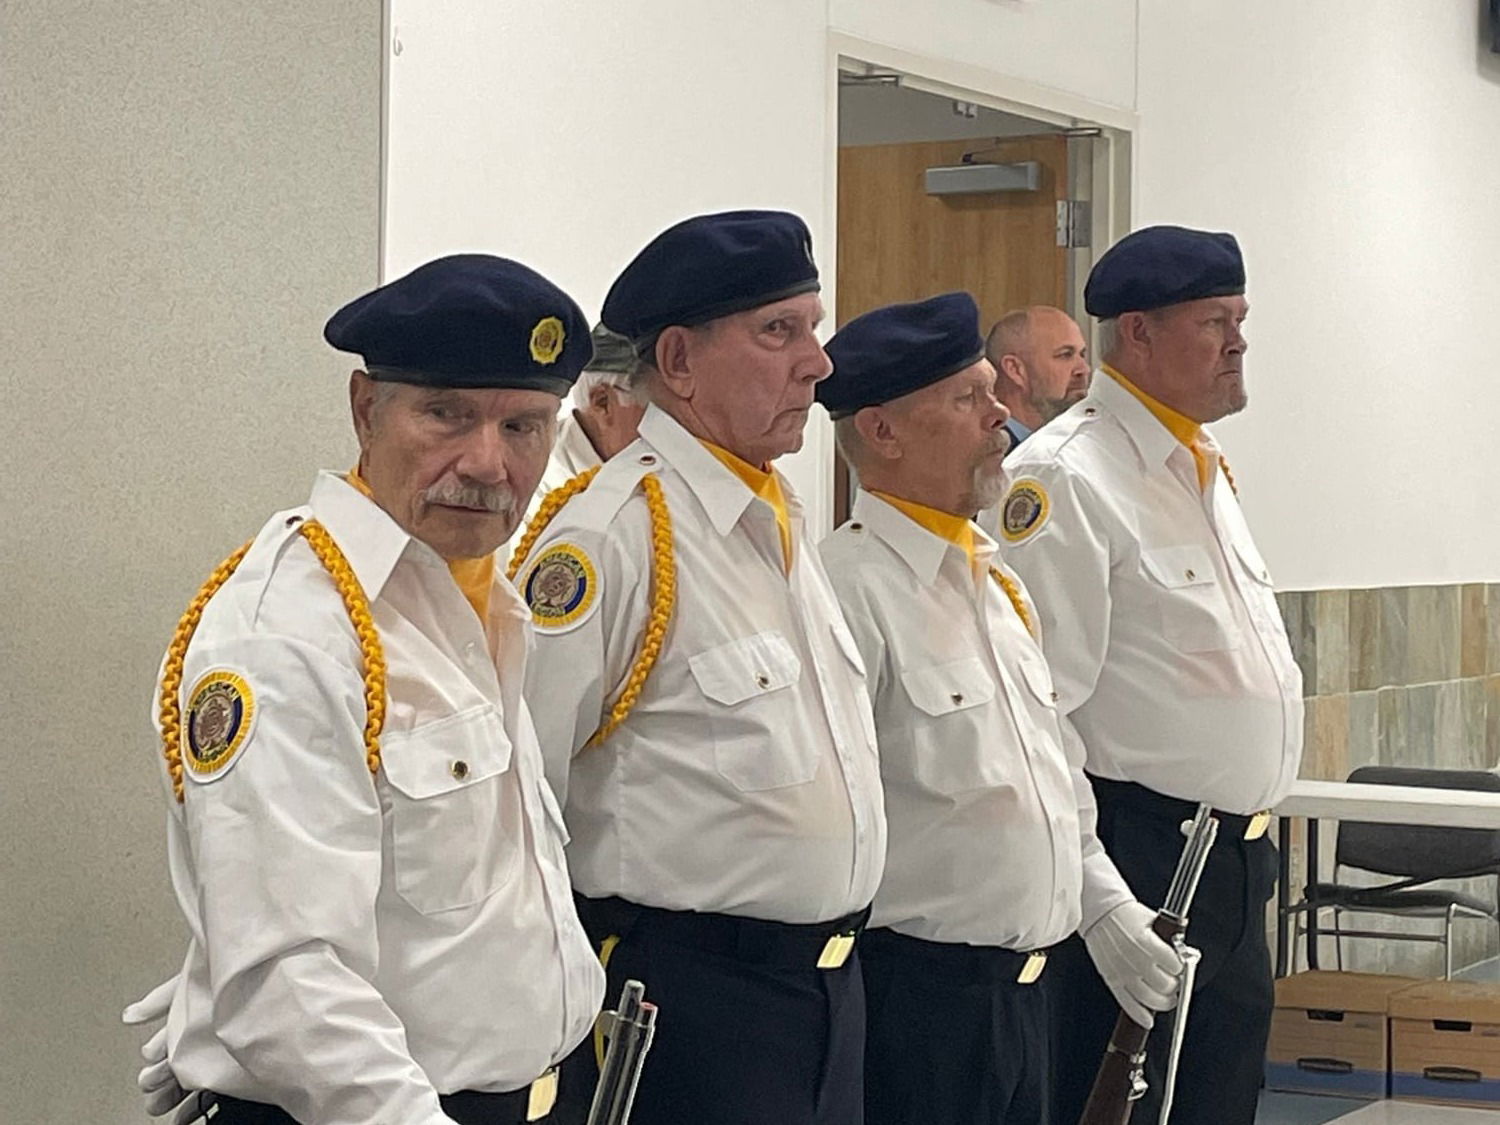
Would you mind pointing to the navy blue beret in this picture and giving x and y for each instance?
(892, 351)
(707, 267)
(1159, 266)
(468, 320)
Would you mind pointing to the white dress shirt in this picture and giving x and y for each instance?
(1162, 629)
(987, 845)
(745, 780)
(360, 944)
(572, 453)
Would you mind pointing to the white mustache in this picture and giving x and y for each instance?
(500, 498)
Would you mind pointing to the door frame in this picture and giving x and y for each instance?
(1110, 178)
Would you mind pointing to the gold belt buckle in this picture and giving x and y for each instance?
(543, 1095)
(836, 951)
(1258, 825)
(1036, 962)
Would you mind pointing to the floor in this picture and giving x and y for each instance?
(1292, 1109)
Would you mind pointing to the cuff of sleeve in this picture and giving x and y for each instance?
(1104, 888)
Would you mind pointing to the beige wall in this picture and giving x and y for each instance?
(186, 191)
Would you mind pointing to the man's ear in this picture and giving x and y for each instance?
(674, 360)
(1014, 371)
(362, 405)
(1135, 329)
(874, 426)
(602, 398)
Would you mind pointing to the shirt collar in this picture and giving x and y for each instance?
(1152, 439)
(922, 550)
(723, 495)
(368, 537)
(1019, 432)
(374, 543)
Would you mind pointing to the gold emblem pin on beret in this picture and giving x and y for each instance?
(547, 340)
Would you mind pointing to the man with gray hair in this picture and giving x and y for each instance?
(1043, 365)
(604, 418)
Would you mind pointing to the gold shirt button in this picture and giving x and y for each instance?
(460, 769)
(762, 680)
(1191, 575)
(958, 697)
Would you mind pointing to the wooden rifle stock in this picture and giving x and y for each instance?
(1120, 1081)
(1117, 1084)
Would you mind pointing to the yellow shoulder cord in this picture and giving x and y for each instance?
(355, 602)
(663, 586)
(1228, 476)
(1014, 594)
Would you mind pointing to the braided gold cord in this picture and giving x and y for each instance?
(371, 654)
(663, 585)
(1014, 594)
(169, 714)
(551, 504)
(1228, 476)
(663, 599)
(355, 602)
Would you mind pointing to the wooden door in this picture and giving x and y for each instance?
(897, 243)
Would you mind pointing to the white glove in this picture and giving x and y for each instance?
(1141, 970)
(157, 1083)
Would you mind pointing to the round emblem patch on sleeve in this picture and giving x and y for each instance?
(1024, 510)
(547, 340)
(562, 587)
(220, 717)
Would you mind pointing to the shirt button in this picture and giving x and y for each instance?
(856, 527)
(762, 680)
(1054, 697)
(958, 697)
(648, 458)
(459, 769)
(1190, 575)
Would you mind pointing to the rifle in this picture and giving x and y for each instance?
(1121, 1081)
(629, 1028)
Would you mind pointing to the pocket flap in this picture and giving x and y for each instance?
(447, 754)
(734, 672)
(1038, 677)
(1255, 566)
(1178, 567)
(944, 688)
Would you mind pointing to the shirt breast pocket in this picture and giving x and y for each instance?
(1194, 613)
(454, 838)
(950, 750)
(748, 684)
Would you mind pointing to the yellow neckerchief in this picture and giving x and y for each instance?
(1183, 428)
(766, 486)
(945, 525)
(475, 577)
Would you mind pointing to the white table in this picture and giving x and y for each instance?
(1379, 804)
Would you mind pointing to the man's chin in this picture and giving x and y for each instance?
(462, 533)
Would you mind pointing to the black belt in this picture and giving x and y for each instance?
(824, 945)
(955, 959)
(1232, 826)
(467, 1107)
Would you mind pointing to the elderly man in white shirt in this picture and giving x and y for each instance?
(700, 701)
(993, 859)
(1166, 643)
(361, 837)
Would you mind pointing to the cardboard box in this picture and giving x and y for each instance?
(1445, 1043)
(1329, 1033)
